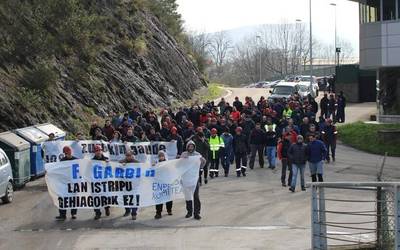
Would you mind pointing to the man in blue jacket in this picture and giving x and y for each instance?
(227, 151)
(316, 152)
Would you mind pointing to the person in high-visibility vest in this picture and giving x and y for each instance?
(216, 143)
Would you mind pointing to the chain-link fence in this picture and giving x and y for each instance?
(355, 215)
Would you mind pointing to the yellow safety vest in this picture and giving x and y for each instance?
(215, 144)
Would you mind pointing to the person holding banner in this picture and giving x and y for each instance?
(98, 156)
(63, 213)
(193, 201)
(203, 148)
(159, 207)
(130, 158)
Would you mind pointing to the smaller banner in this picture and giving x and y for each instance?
(94, 184)
(143, 151)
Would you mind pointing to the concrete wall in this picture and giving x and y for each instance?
(380, 45)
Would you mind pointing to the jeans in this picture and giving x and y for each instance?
(296, 168)
(286, 166)
(254, 150)
(271, 154)
(332, 146)
(316, 168)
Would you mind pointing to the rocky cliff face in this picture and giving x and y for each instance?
(158, 73)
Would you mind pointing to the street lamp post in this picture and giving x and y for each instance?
(298, 21)
(259, 52)
(336, 56)
(311, 47)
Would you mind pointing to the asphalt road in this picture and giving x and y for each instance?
(254, 212)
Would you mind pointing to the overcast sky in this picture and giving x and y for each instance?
(216, 15)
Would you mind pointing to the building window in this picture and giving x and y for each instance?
(398, 6)
(389, 10)
(370, 11)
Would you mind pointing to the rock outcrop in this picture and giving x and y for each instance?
(157, 76)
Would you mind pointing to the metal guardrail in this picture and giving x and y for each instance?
(355, 227)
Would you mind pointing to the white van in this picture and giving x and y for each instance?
(6, 178)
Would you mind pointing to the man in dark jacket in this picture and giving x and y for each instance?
(98, 136)
(238, 104)
(329, 135)
(283, 148)
(63, 213)
(108, 130)
(257, 142)
(203, 147)
(130, 137)
(98, 156)
(271, 141)
(341, 105)
(316, 152)
(298, 156)
(332, 106)
(240, 148)
(324, 106)
(179, 141)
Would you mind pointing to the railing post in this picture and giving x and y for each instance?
(379, 198)
(322, 219)
(397, 216)
(315, 226)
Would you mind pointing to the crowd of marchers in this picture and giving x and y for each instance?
(296, 131)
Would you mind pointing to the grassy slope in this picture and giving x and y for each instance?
(365, 137)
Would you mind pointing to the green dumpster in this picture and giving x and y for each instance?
(18, 151)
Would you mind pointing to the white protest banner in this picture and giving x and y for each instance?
(94, 184)
(114, 151)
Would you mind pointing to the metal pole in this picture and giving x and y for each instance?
(315, 226)
(260, 62)
(322, 219)
(397, 217)
(311, 48)
(336, 55)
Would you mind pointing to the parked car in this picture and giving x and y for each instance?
(305, 90)
(306, 79)
(283, 90)
(6, 178)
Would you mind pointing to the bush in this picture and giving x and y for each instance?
(140, 46)
(364, 136)
(39, 78)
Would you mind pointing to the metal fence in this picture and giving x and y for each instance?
(355, 215)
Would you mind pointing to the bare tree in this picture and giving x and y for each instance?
(219, 47)
(200, 43)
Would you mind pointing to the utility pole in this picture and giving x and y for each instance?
(259, 52)
(336, 52)
(311, 47)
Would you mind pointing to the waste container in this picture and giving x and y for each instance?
(49, 128)
(18, 151)
(35, 137)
